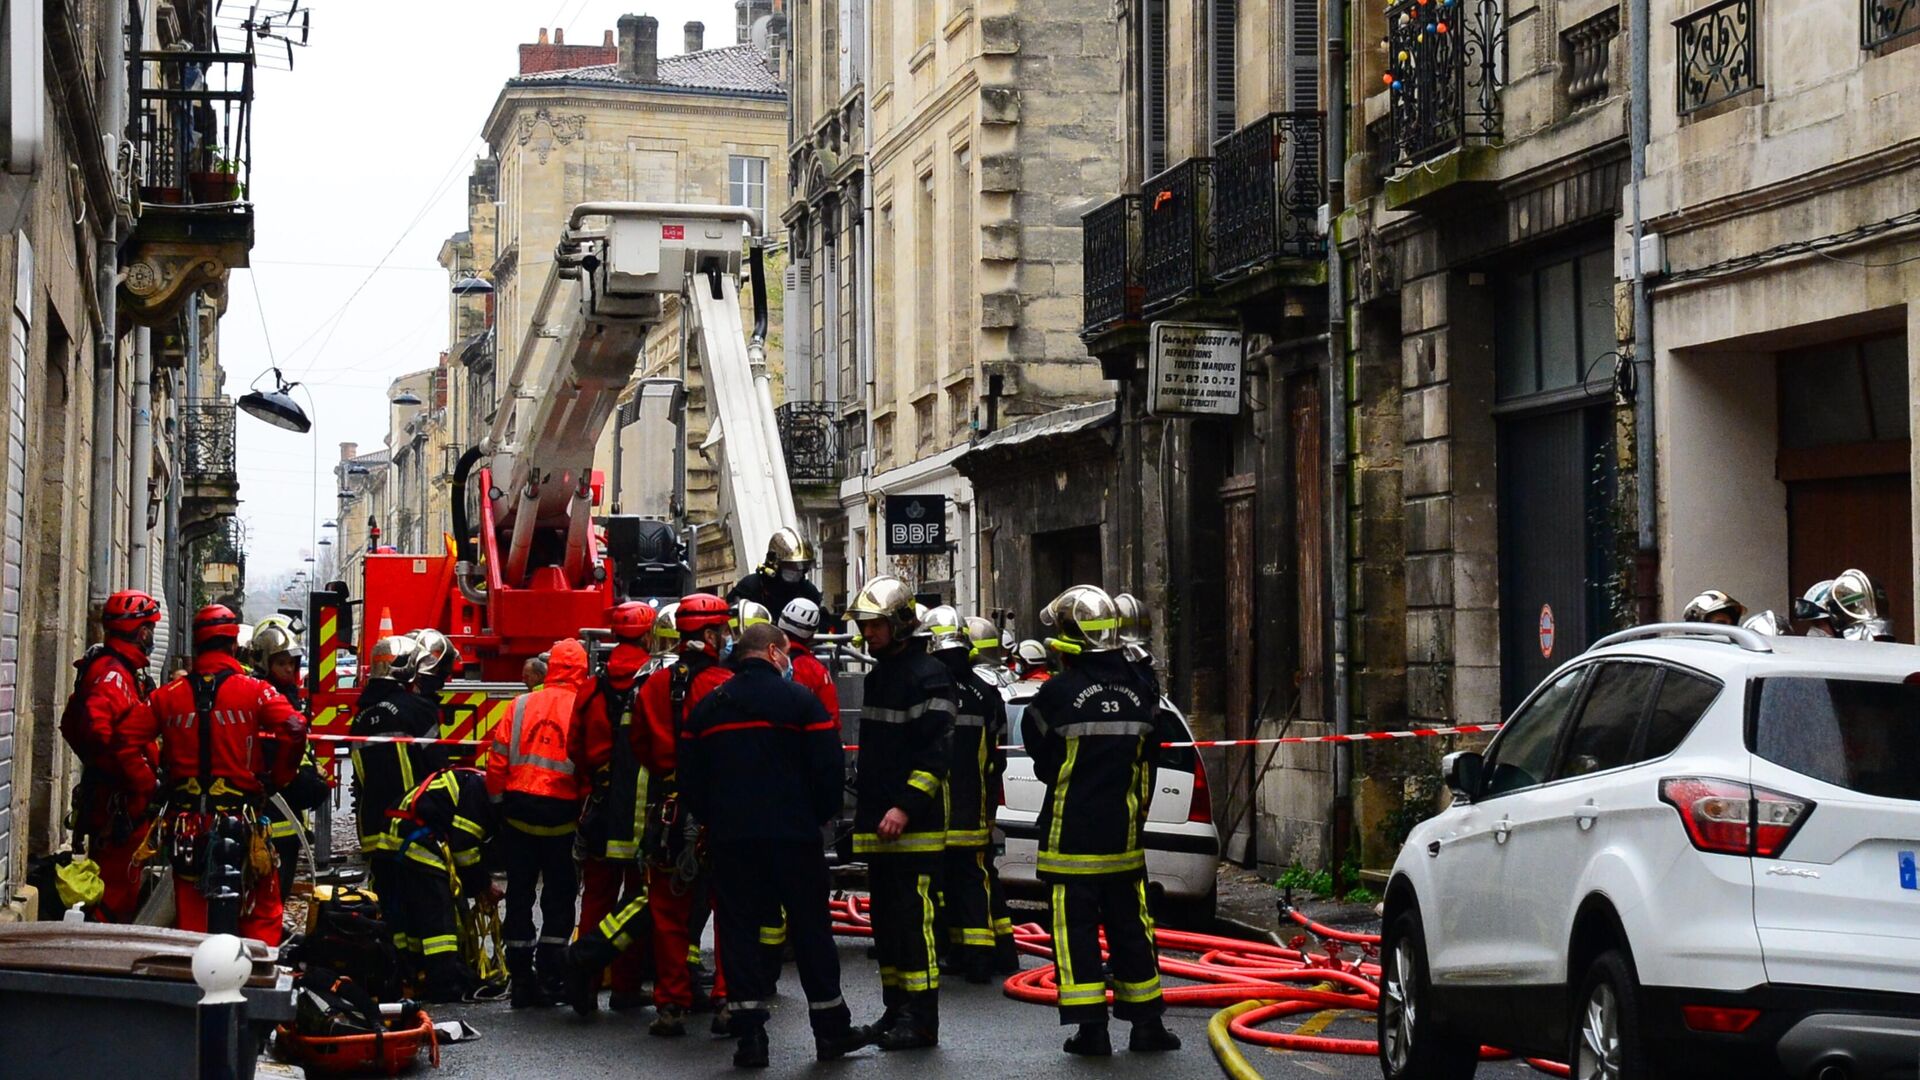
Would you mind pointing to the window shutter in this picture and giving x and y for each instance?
(1225, 76)
(1154, 85)
(1306, 55)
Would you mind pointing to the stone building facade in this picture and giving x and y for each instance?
(942, 153)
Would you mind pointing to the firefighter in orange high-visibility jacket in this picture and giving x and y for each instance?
(536, 793)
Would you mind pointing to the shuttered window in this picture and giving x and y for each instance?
(1153, 84)
(1225, 76)
(1305, 31)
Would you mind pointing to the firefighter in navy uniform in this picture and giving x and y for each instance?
(899, 817)
(444, 824)
(614, 817)
(979, 728)
(209, 725)
(384, 773)
(783, 577)
(276, 658)
(760, 763)
(989, 659)
(1090, 733)
(110, 686)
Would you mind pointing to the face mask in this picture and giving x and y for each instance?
(792, 575)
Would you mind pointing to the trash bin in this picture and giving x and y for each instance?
(91, 999)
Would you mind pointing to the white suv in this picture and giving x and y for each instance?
(1691, 852)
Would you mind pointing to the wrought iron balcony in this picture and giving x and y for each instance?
(1176, 240)
(811, 439)
(207, 448)
(1268, 187)
(1447, 61)
(1110, 246)
(1882, 21)
(1716, 57)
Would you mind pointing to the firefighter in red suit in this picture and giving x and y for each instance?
(208, 723)
(614, 817)
(702, 621)
(110, 687)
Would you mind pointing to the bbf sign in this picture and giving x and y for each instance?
(916, 524)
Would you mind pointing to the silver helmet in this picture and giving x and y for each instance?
(885, 597)
(1713, 602)
(944, 626)
(1083, 619)
(438, 654)
(396, 658)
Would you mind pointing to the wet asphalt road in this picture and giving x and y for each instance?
(984, 1035)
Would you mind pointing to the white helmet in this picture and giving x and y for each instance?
(800, 619)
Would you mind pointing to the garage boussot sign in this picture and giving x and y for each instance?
(916, 524)
(1194, 370)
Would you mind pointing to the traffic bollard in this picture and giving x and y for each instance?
(221, 967)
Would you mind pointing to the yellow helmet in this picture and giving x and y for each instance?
(1083, 619)
(885, 597)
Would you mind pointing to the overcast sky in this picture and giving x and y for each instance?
(360, 159)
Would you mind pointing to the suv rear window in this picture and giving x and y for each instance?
(1862, 736)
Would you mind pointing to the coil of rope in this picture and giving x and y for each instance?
(1252, 982)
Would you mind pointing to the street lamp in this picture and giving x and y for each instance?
(406, 398)
(275, 406)
(472, 285)
(324, 542)
(329, 524)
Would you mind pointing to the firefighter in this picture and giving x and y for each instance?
(439, 662)
(445, 824)
(1089, 732)
(783, 576)
(1135, 625)
(1714, 606)
(276, 655)
(111, 686)
(208, 725)
(760, 763)
(384, 772)
(613, 819)
(799, 620)
(1029, 662)
(979, 728)
(989, 655)
(899, 818)
(535, 789)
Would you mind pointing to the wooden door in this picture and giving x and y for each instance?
(1857, 522)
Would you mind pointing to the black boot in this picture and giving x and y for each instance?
(628, 1000)
(919, 1024)
(752, 1053)
(669, 1022)
(587, 957)
(1151, 1037)
(833, 1047)
(889, 1019)
(1091, 1040)
(722, 1025)
(1006, 957)
(524, 990)
(976, 966)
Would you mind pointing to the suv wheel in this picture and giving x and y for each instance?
(1412, 1047)
(1603, 1042)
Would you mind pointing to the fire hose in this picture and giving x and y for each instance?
(1322, 969)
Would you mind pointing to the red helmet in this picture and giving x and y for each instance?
(632, 621)
(129, 610)
(699, 611)
(215, 622)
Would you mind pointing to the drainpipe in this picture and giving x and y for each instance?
(1639, 119)
(868, 333)
(1337, 459)
(101, 576)
(139, 536)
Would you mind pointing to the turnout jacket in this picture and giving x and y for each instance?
(1090, 733)
(450, 817)
(979, 730)
(216, 753)
(760, 760)
(810, 673)
(383, 773)
(692, 675)
(531, 775)
(110, 685)
(906, 740)
(614, 816)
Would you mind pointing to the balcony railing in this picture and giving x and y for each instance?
(1268, 188)
(1446, 64)
(811, 440)
(207, 451)
(1177, 207)
(196, 128)
(1717, 54)
(1882, 21)
(1110, 246)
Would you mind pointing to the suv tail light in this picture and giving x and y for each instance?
(1730, 817)
(1200, 807)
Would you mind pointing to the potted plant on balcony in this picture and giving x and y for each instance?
(219, 185)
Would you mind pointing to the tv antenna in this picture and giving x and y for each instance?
(270, 31)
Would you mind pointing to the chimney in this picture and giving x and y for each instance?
(696, 36)
(640, 48)
(349, 451)
(606, 40)
(543, 35)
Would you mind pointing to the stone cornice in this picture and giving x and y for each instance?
(926, 118)
(1852, 172)
(513, 100)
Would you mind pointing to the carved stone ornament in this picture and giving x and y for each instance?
(158, 284)
(543, 130)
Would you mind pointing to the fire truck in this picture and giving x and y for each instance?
(530, 561)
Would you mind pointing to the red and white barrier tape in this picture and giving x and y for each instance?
(1198, 744)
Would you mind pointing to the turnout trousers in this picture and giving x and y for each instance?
(538, 865)
(752, 884)
(662, 916)
(260, 909)
(1081, 906)
(120, 870)
(606, 887)
(422, 905)
(968, 905)
(903, 920)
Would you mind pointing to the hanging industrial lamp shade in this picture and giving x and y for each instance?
(275, 406)
(472, 286)
(324, 542)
